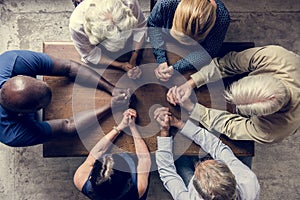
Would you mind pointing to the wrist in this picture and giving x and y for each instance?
(179, 124)
(135, 51)
(164, 133)
(190, 108)
(191, 83)
(117, 129)
(117, 64)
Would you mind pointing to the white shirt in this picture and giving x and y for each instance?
(91, 53)
(247, 183)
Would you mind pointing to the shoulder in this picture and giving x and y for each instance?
(26, 55)
(77, 16)
(166, 5)
(82, 173)
(223, 16)
(247, 182)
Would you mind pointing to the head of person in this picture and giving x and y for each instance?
(112, 176)
(24, 94)
(214, 180)
(258, 95)
(109, 22)
(193, 20)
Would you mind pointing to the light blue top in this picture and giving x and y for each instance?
(247, 183)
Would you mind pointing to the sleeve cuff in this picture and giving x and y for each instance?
(198, 78)
(139, 34)
(164, 143)
(196, 114)
(93, 57)
(189, 129)
(206, 74)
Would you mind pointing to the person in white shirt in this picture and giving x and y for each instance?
(225, 177)
(101, 32)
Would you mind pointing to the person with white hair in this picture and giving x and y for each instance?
(267, 100)
(223, 177)
(102, 31)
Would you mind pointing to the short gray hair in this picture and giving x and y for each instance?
(214, 180)
(258, 95)
(109, 21)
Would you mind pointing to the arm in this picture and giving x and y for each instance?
(144, 161)
(167, 170)
(231, 64)
(194, 60)
(246, 179)
(81, 73)
(97, 151)
(234, 126)
(157, 20)
(139, 32)
(88, 77)
(81, 121)
(164, 156)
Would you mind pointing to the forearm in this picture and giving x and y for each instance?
(105, 60)
(80, 121)
(88, 77)
(167, 170)
(103, 145)
(195, 60)
(141, 148)
(144, 161)
(137, 45)
(157, 42)
(233, 125)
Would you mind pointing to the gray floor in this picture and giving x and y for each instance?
(26, 175)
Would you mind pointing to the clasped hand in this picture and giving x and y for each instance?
(120, 96)
(164, 72)
(133, 72)
(165, 119)
(129, 117)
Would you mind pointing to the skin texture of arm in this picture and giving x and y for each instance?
(87, 76)
(98, 150)
(144, 161)
(81, 120)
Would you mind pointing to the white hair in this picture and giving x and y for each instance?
(258, 95)
(109, 22)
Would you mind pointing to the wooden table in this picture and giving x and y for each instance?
(69, 98)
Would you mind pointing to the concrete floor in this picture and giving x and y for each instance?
(26, 175)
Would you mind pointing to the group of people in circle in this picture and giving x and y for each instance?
(266, 99)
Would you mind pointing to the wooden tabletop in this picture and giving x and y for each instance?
(69, 98)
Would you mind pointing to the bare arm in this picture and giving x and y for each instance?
(97, 151)
(144, 161)
(81, 120)
(82, 74)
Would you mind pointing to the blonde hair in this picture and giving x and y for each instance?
(109, 21)
(214, 180)
(193, 18)
(258, 95)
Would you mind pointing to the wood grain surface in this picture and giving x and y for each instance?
(69, 98)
